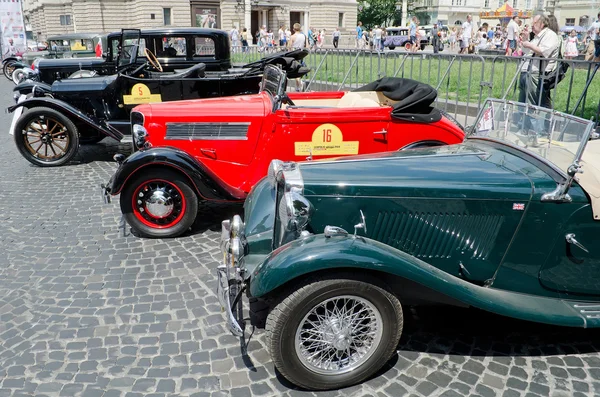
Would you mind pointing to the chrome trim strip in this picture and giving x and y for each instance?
(305, 163)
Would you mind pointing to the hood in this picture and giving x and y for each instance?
(243, 107)
(467, 170)
(88, 84)
(84, 63)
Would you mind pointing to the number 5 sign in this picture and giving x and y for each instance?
(140, 93)
(327, 140)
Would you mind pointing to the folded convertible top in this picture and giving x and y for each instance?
(415, 99)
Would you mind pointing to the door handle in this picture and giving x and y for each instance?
(571, 240)
(212, 153)
(382, 132)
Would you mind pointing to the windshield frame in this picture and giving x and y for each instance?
(586, 136)
(276, 89)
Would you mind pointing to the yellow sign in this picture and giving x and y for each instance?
(77, 46)
(140, 93)
(327, 140)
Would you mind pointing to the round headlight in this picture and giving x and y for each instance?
(294, 211)
(274, 168)
(235, 247)
(139, 135)
(237, 226)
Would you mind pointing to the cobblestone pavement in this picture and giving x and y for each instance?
(86, 311)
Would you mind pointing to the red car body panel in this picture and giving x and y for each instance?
(286, 133)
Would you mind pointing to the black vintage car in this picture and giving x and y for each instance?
(175, 48)
(50, 122)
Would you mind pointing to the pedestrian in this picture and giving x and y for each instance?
(467, 35)
(544, 45)
(594, 33)
(312, 38)
(298, 41)
(288, 36)
(11, 49)
(336, 37)
(412, 34)
(512, 33)
(377, 32)
(359, 35)
(435, 38)
(281, 35)
(245, 40)
(571, 46)
(235, 38)
(452, 38)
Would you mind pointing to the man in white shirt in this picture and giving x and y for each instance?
(545, 44)
(512, 34)
(467, 35)
(298, 40)
(281, 33)
(235, 38)
(377, 38)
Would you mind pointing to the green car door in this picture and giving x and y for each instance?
(573, 265)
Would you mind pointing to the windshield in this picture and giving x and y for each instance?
(274, 82)
(73, 45)
(557, 137)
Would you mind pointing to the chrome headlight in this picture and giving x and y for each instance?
(140, 135)
(274, 168)
(294, 211)
(237, 226)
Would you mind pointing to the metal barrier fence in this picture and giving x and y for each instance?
(463, 82)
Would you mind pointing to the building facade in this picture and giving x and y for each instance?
(577, 12)
(52, 17)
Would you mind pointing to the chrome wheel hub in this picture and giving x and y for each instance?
(338, 335)
(159, 204)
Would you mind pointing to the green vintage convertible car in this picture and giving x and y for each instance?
(505, 222)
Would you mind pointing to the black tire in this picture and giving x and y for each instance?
(52, 143)
(452, 119)
(8, 69)
(177, 187)
(392, 47)
(286, 316)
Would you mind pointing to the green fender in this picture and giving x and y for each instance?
(316, 253)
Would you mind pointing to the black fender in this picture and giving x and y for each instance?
(11, 59)
(73, 113)
(21, 65)
(206, 183)
(26, 87)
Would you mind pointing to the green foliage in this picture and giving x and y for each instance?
(377, 12)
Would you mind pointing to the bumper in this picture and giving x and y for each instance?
(107, 189)
(230, 275)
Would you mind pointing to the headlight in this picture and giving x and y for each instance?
(294, 211)
(139, 135)
(274, 168)
(237, 226)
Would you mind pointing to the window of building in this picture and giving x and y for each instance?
(152, 16)
(204, 47)
(515, 3)
(528, 4)
(341, 19)
(500, 3)
(486, 4)
(167, 16)
(570, 22)
(65, 19)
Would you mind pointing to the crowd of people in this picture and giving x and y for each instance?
(267, 40)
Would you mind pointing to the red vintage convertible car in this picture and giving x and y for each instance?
(217, 149)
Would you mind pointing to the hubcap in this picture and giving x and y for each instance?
(46, 138)
(338, 335)
(158, 203)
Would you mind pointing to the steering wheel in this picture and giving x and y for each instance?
(152, 59)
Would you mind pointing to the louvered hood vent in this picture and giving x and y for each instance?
(207, 131)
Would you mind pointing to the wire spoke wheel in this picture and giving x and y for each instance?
(158, 203)
(46, 138)
(339, 334)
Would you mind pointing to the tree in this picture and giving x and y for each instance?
(377, 12)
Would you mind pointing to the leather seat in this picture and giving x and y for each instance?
(198, 70)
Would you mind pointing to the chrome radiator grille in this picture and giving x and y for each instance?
(207, 131)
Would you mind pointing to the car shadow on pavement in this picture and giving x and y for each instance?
(473, 332)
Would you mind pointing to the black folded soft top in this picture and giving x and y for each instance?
(415, 99)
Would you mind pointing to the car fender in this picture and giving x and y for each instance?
(27, 86)
(206, 183)
(319, 253)
(73, 113)
(10, 59)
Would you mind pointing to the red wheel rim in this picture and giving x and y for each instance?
(158, 203)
